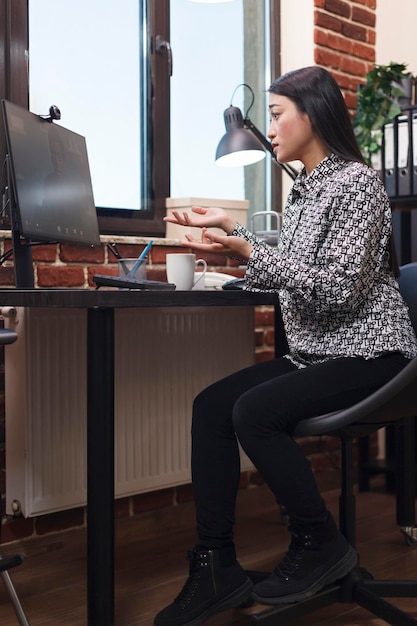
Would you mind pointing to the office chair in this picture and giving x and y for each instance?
(8, 336)
(395, 403)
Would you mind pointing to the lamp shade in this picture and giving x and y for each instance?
(238, 146)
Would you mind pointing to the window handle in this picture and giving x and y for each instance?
(162, 44)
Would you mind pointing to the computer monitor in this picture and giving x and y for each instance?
(51, 181)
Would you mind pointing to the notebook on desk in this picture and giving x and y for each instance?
(127, 282)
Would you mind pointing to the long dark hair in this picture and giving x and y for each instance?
(314, 91)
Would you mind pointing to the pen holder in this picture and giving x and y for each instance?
(126, 265)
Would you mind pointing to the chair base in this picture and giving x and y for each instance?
(358, 587)
(10, 562)
(6, 564)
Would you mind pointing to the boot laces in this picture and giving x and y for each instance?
(198, 560)
(291, 562)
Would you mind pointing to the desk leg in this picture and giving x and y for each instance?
(100, 467)
(281, 344)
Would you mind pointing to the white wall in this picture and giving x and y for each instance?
(396, 33)
(297, 47)
(297, 43)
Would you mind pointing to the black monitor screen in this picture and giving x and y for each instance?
(51, 179)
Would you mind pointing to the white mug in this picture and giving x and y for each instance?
(181, 270)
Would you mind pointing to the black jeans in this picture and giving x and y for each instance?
(259, 406)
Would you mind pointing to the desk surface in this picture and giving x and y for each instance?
(97, 298)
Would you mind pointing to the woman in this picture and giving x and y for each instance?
(348, 333)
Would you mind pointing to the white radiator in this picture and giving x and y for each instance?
(163, 357)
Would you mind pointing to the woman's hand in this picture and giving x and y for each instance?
(211, 217)
(221, 244)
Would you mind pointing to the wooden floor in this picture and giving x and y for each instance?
(150, 570)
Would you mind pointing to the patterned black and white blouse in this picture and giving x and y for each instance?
(331, 268)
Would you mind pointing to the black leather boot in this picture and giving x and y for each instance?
(210, 588)
(314, 559)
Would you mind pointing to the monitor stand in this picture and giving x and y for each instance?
(22, 253)
(23, 265)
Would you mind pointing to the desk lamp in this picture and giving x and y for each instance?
(243, 142)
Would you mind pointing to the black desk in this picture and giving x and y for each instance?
(100, 307)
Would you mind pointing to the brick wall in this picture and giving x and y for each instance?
(344, 40)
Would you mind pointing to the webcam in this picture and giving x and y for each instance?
(54, 114)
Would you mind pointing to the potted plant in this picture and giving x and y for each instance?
(387, 88)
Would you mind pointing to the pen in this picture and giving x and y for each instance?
(113, 248)
(140, 259)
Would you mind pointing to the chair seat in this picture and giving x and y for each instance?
(395, 400)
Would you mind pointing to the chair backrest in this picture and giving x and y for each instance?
(407, 281)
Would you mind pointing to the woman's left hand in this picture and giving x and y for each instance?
(229, 245)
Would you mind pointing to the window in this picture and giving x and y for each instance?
(108, 59)
(75, 73)
(97, 69)
(223, 46)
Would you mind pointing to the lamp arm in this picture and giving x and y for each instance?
(267, 145)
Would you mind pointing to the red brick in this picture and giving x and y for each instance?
(351, 100)
(320, 37)
(121, 508)
(6, 276)
(57, 276)
(264, 316)
(185, 493)
(327, 21)
(319, 3)
(17, 528)
(233, 263)
(158, 253)
(108, 270)
(310, 445)
(264, 355)
(353, 66)
(325, 57)
(44, 252)
(153, 500)
(342, 80)
(244, 480)
(255, 478)
(336, 42)
(259, 337)
(354, 31)
(270, 337)
(155, 273)
(363, 16)
(62, 520)
(338, 7)
(323, 462)
(70, 253)
(363, 51)
(331, 443)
